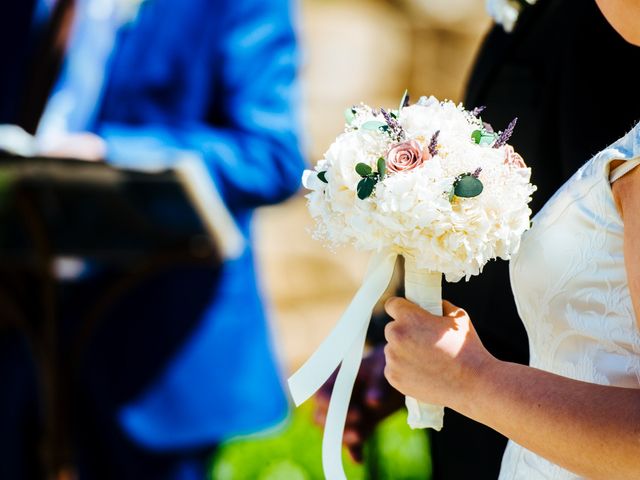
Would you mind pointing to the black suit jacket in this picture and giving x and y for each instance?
(572, 81)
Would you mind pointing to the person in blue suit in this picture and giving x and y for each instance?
(182, 359)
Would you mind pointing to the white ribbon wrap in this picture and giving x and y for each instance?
(344, 347)
(423, 288)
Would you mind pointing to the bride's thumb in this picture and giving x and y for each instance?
(451, 310)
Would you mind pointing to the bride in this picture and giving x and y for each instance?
(576, 280)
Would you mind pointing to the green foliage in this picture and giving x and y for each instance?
(375, 125)
(398, 453)
(363, 169)
(382, 167)
(467, 186)
(349, 115)
(322, 176)
(294, 453)
(365, 187)
(482, 137)
(369, 177)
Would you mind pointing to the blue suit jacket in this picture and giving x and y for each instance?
(214, 77)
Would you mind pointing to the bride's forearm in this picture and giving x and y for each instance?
(590, 429)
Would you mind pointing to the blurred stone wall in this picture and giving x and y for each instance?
(354, 50)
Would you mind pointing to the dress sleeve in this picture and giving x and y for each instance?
(623, 169)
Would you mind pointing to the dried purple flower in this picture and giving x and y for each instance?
(395, 129)
(433, 144)
(504, 137)
(477, 111)
(487, 127)
(476, 174)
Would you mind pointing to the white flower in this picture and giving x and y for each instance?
(410, 212)
(506, 12)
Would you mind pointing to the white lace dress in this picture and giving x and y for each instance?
(570, 286)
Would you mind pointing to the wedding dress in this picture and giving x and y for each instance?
(570, 286)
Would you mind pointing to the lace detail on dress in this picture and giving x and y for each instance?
(570, 286)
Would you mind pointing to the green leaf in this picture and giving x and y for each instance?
(363, 169)
(349, 115)
(382, 167)
(488, 138)
(468, 186)
(322, 177)
(365, 187)
(375, 125)
(482, 137)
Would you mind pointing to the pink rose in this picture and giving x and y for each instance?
(406, 156)
(512, 158)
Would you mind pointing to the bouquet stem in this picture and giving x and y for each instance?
(423, 288)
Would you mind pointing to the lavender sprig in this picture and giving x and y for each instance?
(504, 137)
(478, 110)
(476, 173)
(433, 144)
(395, 129)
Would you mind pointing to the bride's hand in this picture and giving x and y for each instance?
(433, 359)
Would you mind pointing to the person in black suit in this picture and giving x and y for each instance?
(546, 73)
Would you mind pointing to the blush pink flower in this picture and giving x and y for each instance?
(406, 156)
(512, 158)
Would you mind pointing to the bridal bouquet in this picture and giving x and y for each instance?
(430, 182)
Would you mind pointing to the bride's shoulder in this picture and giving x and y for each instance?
(627, 147)
(624, 177)
(608, 163)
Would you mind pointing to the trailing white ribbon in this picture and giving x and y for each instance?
(344, 347)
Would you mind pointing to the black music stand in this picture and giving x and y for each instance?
(126, 219)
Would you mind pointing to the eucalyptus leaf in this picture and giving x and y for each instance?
(488, 138)
(374, 125)
(365, 187)
(382, 167)
(349, 115)
(322, 177)
(363, 169)
(468, 186)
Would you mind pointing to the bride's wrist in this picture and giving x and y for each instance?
(482, 375)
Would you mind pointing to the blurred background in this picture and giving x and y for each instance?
(354, 50)
(152, 113)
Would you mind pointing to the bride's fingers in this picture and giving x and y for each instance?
(401, 309)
